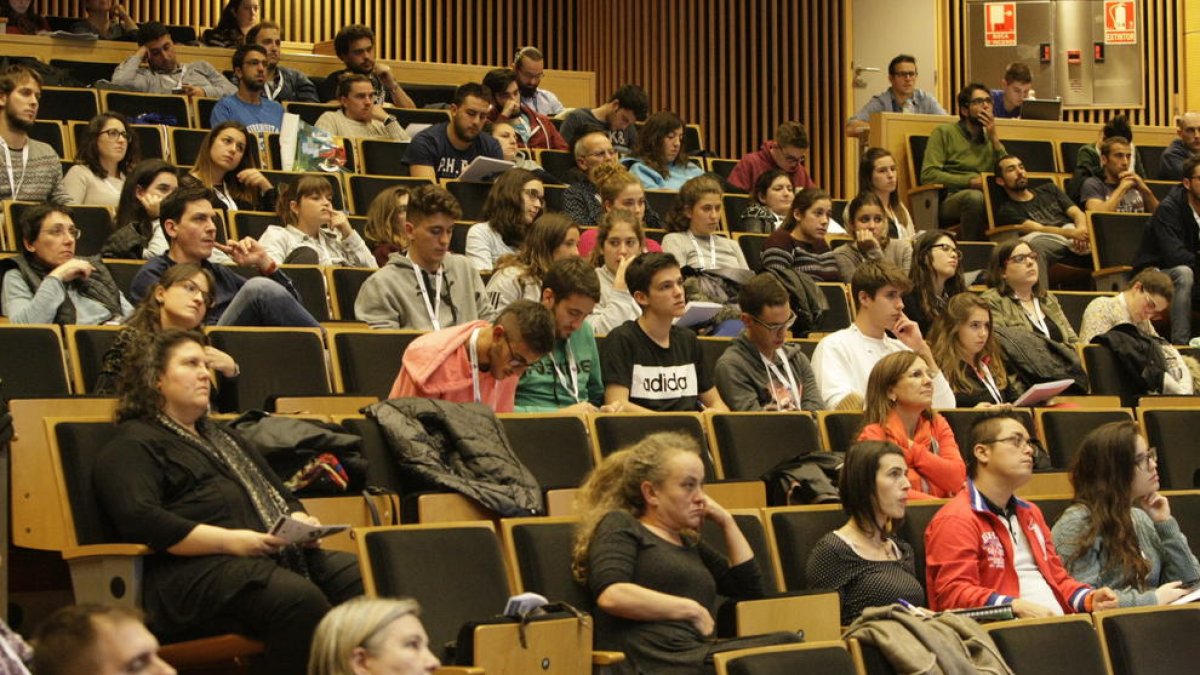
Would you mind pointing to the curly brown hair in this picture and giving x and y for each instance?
(504, 207)
(140, 397)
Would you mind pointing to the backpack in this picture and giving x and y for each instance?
(805, 299)
(807, 478)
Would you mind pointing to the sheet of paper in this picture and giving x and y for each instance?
(295, 532)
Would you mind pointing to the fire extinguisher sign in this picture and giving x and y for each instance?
(1000, 24)
(1120, 22)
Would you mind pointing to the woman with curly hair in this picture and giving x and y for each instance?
(1119, 531)
(638, 550)
(694, 225)
(516, 199)
(661, 162)
(108, 152)
(552, 237)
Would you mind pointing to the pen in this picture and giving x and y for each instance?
(912, 608)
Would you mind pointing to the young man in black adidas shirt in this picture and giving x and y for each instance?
(649, 363)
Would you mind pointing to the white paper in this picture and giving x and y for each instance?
(697, 312)
(295, 532)
(1190, 597)
(1042, 392)
(482, 168)
(287, 141)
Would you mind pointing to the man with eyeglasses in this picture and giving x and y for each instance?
(534, 130)
(528, 66)
(788, 152)
(1053, 226)
(259, 114)
(581, 200)
(477, 361)
(1171, 242)
(761, 370)
(902, 97)
(31, 169)
(957, 154)
(987, 547)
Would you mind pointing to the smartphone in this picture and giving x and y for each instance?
(179, 90)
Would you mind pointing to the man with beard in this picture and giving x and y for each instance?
(1171, 242)
(283, 84)
(1119, 188)
(355, 46)
(534, 130)
(444, 150)
(955, 156)
(528, 66)
(164, 74)
(259, 114)
(360, 116)
(1055, 228)
(32, 171)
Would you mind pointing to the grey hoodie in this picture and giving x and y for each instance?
(741, 377)
(391, 298)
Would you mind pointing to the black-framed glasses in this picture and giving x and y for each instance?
(949, 249)
(536, 196)
(904, 73)
(1022, 257)
(114, 134)
(1019, 440)
(515, 360)
(776, 327)
(1143, 462)
(980, 100)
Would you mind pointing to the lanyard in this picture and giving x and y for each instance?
(221, 194)
(712, 251)
(267, 87)
(12, 182)
(1036, 317)
(473, 353)
(985, 376)
(786, 378)
(434, 307)
(573, 368)
(179, 84)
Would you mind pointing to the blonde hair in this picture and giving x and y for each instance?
(355, 623)
(616, 485)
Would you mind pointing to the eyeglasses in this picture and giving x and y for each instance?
(59, 231)
(602, 154)
(1152, 303)
(191, 288)
(114, 134)
(1145, 460)
(1019, 440)
(776, 327)
(949, 249)
(980, 100)
(515, 360)
(904, 73)
(535, 195)
(1021, 258)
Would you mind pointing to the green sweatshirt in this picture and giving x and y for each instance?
(953, 158)
(540, 389)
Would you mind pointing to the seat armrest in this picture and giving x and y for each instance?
(816, 613)
(1003, 233)
(458, 670)
(107, 574)
(607, 658)
(926, 187)
(105, 550)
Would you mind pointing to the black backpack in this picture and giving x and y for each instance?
(808, 478)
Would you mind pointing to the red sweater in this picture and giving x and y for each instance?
(544, 134)
(754, 164)
(969, 557)
(935, 467)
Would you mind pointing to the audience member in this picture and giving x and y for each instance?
(22, 18)
(443, 150)
(654, 582)
(877, 173)
(661, 160)
(955, 156)
(360, 116)
(581, 200)
(107, 20)
(770, 203)
(96, 639)
(552, 237)
(448, 290)
(163, 74)
(966, 350)
(180, 299)
(228, 164)
(987, 547)
(619, 240)
(616, 188)
(465, 362)
(528, 66)
(843, 360)
(627, 105)
(1018, 296)
(694, 223)
(237, 19)
(48, 283)
(259, 114)
(899, 409)
(355, 46)
(1120, 188)
(283, 83)
(650, 364)
(188, 223)
(372, 636)
(1054, 227)
(1018, 85)
(1171, 241)
(761, 370)
(1087, 158)
(534, 130)
(510, 148)
(869, 227)
(1187, 126)
(864, 560)
(41, 170)
(312, 231)
(788, 152)
(936, 277)
(203, 498)
(137, 211)
(516, 199)
(384, 231)
(107, 153)
(1119, 532)
(567, 378)
(901, 97)
(800, 243)
(1145, 299)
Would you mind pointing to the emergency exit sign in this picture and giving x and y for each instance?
(1000, 24)
(1120, 22)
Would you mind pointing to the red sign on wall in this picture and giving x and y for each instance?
(1000, 24)
(1120, 22)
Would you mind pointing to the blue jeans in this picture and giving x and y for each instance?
(1181, 304)
(263, 302)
